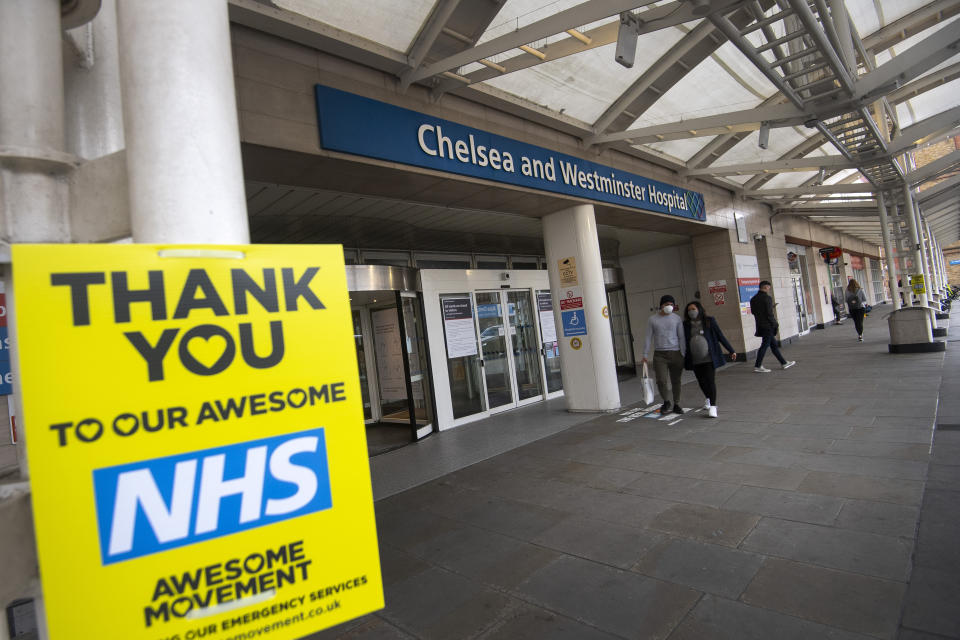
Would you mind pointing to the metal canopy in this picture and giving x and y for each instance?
(840, 90)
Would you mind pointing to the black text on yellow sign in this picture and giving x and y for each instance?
(209, 467)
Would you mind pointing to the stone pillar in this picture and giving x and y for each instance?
(888, 251)
(180, 122)
(586, 344)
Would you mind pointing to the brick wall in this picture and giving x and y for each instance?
(952, 252)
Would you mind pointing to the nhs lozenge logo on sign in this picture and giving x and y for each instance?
(153, 505)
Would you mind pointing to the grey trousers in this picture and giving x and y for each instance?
(668, 365)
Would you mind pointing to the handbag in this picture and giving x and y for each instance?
(647, 383)
(868, 308)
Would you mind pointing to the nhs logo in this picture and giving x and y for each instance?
(153, 505)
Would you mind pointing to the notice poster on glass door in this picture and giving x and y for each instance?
(548, 327)
(387, 345)
(458, 325)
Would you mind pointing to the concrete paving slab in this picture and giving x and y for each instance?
(787, 505)
(896, 450)
(489, 558)
(716, 526)
(721, 619)
(681, 489)
(367, 628)
(604, 542)
(883, 518)
(534, 623)
(945, 477)
(753, 474)
(862, 487)
(795, 443)
(933, 602)
(704, 567)
(856, 551)
(857, 603)
(619, 602)
(438, 604)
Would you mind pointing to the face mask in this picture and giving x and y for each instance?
(668, 308)
(693, 313)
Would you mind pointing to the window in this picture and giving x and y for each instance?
(396, 258)
(442, 261)
(876, 277)
(524, 262)
(491, 262)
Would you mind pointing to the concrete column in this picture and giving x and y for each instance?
(888, 251)
(925, 254)
(33, 208)
(935, 256)
(92, 86)
(33, 194)
(180, 122)
(586, 361)
(917, 249)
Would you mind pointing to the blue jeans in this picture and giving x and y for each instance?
(768, 341)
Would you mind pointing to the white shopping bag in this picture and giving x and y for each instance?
(648, 386)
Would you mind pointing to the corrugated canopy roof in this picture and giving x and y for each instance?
(846, 91)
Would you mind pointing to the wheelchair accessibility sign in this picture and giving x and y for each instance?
(574, 323)
(207, 475)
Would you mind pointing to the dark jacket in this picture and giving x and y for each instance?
(761, 306)
(714, 338)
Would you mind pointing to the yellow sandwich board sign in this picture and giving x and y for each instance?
(195, 439)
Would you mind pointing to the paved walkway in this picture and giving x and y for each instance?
(792, 516)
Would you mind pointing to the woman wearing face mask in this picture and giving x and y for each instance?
(703, 338)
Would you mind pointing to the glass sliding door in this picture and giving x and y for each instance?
(417, 369)
(391, 374)
(525, 347)
(549, 348)
(491, 326)
(463, 356)
(620, 328)
(362, 365)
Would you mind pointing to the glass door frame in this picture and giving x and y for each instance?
(369, 357)
(511, 364)
(532, 297)
(419, 431)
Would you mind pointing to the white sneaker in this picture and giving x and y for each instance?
(761, 369)
(713, 412)
(789, 364)
(706, 405)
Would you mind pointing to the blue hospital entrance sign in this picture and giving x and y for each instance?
(361, 126)
(574, 323)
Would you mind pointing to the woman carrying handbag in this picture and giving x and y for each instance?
(703, 356)
(856, 306)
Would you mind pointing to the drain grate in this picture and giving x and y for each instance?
(948, 427)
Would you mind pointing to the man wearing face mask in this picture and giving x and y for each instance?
(665, 336)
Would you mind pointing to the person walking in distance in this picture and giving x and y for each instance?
(665, 336)
(761, 306)
(703, 339)
(856, 306)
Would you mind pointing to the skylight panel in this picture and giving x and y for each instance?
(583, 86)
(381, 21)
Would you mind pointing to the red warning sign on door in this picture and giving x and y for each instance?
(571, 303)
